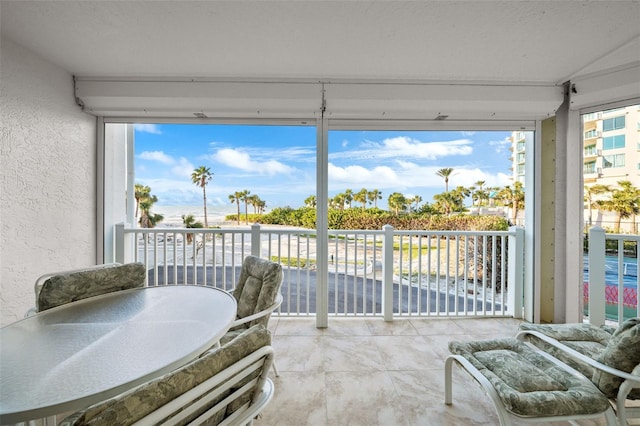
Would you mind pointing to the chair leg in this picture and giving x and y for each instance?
(275, 369)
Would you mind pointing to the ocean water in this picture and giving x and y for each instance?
(215, 214)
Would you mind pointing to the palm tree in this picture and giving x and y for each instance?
(261, 206)
(374, 196)
(254, 200)
(148, 219)
(245, 198)
(348, 197)
(235, 198)
(190, 222)
(447, 202)
(311, 201)
(514, 197)
(201, 177)
(589, 193)
(416, 200)
(463, 192)
(625, 202)
(338, 201)
(478, 193)
(141, 192)
(445, 173)
(361, 197)
(397, 202)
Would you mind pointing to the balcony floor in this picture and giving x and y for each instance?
(368, 372)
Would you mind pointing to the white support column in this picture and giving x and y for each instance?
(532, 230)
(112, 191)
(568, 213)
(322, 225)
(574, 217)
(131, 175)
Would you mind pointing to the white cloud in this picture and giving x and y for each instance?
(174, 191)
(148, 128)
(158, 156)
(405, 147)
(241, 160)
(183, 168)
(180, 167)
(502, 145)
(407, 174)
(351, 176)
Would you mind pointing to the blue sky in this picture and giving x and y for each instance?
(277, 163)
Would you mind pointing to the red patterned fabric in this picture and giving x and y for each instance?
(629, 295)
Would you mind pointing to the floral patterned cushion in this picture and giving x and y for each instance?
(589, 340)
(65, 288)
(529, 384)
(617, 348)
(622, 353)
(258, 286)
(142, 400)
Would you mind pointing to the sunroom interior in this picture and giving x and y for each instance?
(69, 68)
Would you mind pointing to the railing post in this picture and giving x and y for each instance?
(387, 273)
(515, 278)
(124, 244)
(597, 249)
(119, 243)
(255, 240)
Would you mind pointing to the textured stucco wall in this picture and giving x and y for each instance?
(48, 177)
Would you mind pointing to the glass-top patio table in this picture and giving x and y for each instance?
(75, 355)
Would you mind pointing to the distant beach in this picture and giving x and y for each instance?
(215, 214)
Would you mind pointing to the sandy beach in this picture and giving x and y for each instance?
(215, 215)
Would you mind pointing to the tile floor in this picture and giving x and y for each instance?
(369, 372)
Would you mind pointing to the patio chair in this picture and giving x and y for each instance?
(258, 295)
(58, 288)
(525, 383)
(226, 385)
(609, 357)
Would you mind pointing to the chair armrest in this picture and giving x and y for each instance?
(580, 357)
(260, 314)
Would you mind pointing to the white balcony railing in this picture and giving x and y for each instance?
(370, 273)
(385, 272)
(611, 277)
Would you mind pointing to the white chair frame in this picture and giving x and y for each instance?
(258, 315)
(505, 416)
(213, 387)
(268, 310)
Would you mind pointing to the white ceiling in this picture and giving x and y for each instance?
(467, 60)
(496, 41)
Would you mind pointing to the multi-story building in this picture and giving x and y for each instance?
(611, 153)
(518, 142)
(612, 146)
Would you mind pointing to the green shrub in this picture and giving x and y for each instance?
(375, 219)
